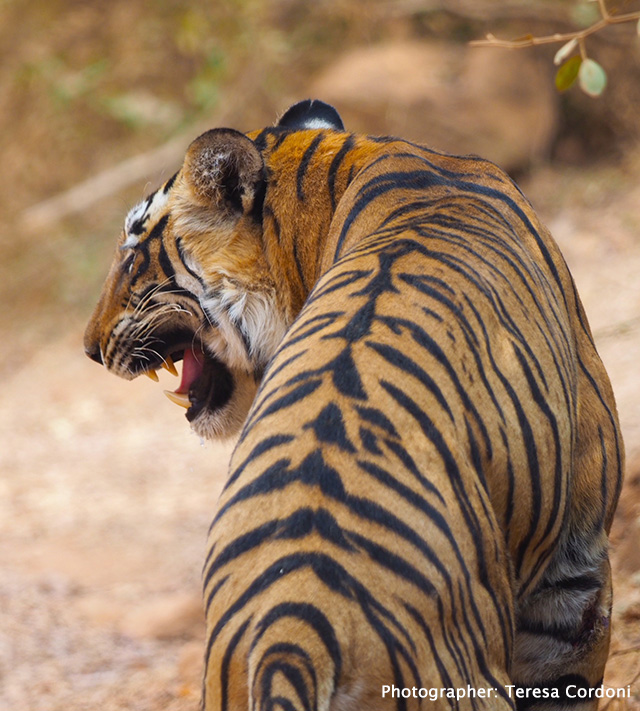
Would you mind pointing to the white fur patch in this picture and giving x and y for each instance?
(137, 221)
(254, 314)
(131, 241)
(318, 123)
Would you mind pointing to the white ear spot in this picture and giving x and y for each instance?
(315, 123)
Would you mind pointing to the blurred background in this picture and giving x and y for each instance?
(105, 495)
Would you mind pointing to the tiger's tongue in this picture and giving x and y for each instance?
(192, 366)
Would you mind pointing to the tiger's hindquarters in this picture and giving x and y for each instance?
(563, 625)
(285, 678)
(294, 660)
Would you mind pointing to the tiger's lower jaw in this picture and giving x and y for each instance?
(216, 397)
(213, 418)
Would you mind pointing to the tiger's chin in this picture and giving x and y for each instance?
(225, 421)
(217, 398)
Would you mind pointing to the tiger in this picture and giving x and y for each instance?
(417, 508)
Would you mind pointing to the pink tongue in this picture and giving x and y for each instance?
(192, 366)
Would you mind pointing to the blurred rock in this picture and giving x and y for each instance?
(171, 616)
(499, 105)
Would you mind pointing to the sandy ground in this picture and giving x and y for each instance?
(106, 496)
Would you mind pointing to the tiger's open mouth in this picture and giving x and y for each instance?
(206, 382)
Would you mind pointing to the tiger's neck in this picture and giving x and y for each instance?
(308, 174)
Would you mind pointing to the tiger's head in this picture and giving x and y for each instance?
(191, 280)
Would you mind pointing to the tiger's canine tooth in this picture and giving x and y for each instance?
(181, 399)
(152, 374)
(169, 365)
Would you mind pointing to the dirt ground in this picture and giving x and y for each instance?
(106, 496)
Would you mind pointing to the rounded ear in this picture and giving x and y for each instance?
(224, 169)
(311, 113)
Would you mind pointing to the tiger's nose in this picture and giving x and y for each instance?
(94, 352)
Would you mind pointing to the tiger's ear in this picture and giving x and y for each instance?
(225, 170)
(311, 113)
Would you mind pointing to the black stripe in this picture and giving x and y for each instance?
(613, 422)
(378, 418)
(468, 512)
(337, 281)
(259, 194)
(601, 522)
(265, 394)
(271, 479)
(299, 524)
(334, 167)
(407, 461)
(369, 441)
(310, 615)
(298, 263)
(261, 139)
(528, 439)
(224, 666)
(345, 376)
(313, 471)
(295, 678)
(560, 476)
(292, 397)
(425, 179)
(169, 184)
(268, 214)
(511, 485)
(434, 349)
(410, 367)
(480, 649)
(181, 255)
(265, 445)
(164, 262)
(302, 330)
(288, 649)
(329, 428)
(216, 588)
(445, 679)
(304, 165)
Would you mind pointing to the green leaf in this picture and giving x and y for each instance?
(568, 73)
(593, 78)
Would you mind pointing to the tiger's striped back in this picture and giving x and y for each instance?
(451, 319)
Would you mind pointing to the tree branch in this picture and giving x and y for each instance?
(531, 41)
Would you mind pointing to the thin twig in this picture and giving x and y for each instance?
(530, 41)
